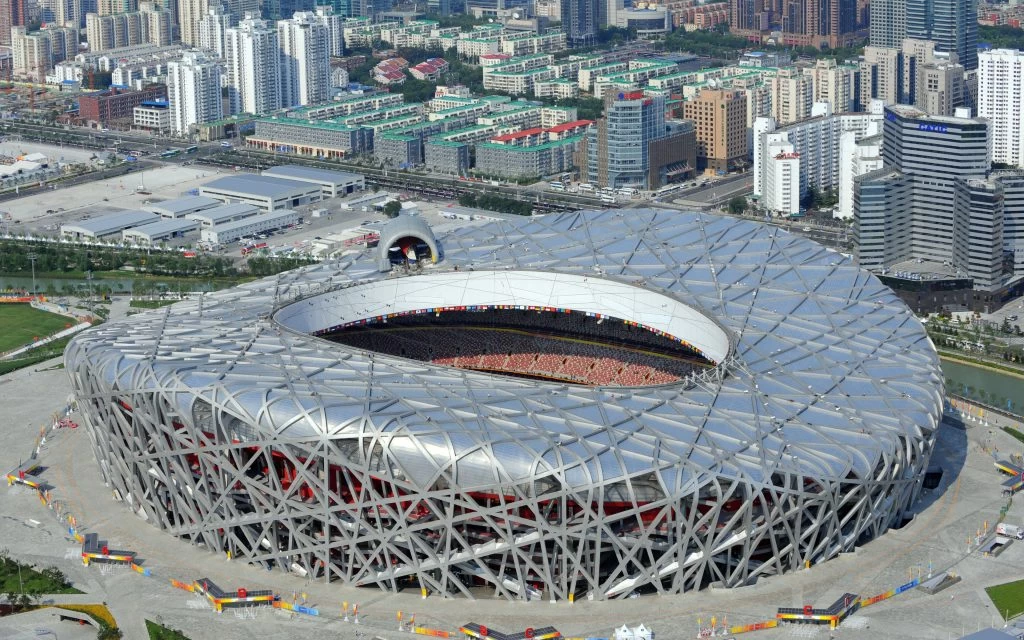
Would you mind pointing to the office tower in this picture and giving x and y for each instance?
(64, 13)
(792, 95)
(978, 230)
(212, 30)
(193, 92)
(253, 67)
(1000, 94)
(190, 12)
(1013, 216)
(951, 24)
(888, 24)
(335, 28)
(720, 117)
(634, 146)
(581, 20)
(305, 60)
(12, 14)
(927, 155)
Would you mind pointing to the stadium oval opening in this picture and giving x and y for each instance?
(557, 327)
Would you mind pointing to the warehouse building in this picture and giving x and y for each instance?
(181, 207)
(224, 214)
(269, 194)
(161, 231)
(105, 226)
(225, 233)
(332, 183)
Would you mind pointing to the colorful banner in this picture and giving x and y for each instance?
(757, 626)
(425, 631)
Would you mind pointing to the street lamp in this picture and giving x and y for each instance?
(32, 258)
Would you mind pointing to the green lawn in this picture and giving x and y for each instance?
(1008, 598)
(19, 323)
(46, 581)
(160, 632)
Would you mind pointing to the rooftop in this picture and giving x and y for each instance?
(188, 203)
(224, 212)
(309, 173)
(263, 186)
(112, 223)
(167, 225)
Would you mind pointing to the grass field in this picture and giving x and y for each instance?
(1008, 598)
(19, 323)
(160, 632)
(15, 575)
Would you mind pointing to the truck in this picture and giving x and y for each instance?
(1010, 531)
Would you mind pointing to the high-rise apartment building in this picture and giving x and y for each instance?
(149, 25)
(1000, 98)
(190, 12)
(113, 7)
(914, 74)
(305, 60)
(888, 24)
(792, 95)
(782, 178)
(193, 92)
(881, 74)
(212, 30)
(800, 22)
(12, 14)
(581, 20)
(833, 83)
(951, 24)
(252, 55)
(335, 24)
(33, 54)
(634, 146)
(817, 141)
(720, 120)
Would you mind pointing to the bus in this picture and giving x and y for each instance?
(557, 186)
(192, 149)
(170, 153)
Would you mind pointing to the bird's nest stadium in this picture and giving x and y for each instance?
(577, 405)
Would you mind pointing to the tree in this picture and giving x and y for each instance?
(108, 632)
(393, 208)
(737, 205)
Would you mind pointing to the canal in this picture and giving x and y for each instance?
(986, 385)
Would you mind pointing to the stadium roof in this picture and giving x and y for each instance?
(826, 374)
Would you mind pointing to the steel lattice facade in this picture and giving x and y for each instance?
(224, 422)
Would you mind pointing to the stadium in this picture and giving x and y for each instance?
(581, 405)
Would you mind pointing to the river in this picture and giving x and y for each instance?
(986, 385)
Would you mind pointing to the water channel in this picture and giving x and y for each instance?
(992, 387)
